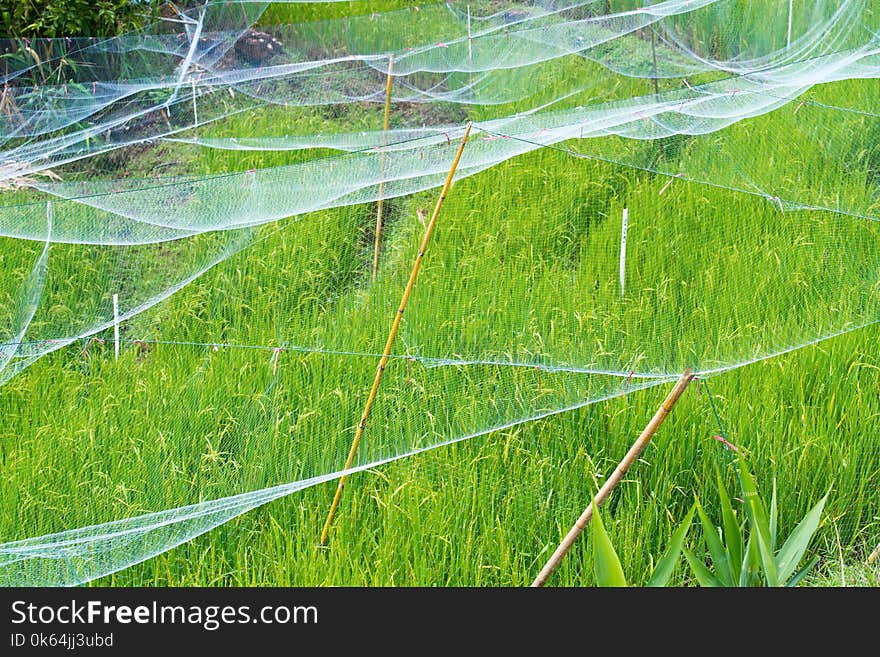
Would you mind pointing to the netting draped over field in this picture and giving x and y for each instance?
(750, 183)
(141, 87)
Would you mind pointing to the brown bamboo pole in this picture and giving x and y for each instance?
(874, 555)
(393, 334)
(386, 124)
(621, 469)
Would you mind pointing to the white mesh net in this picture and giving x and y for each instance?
(210, 187)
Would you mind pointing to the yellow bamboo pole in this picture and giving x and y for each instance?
(392, 334)
(874, 555)
(621, 469)
(386, 125)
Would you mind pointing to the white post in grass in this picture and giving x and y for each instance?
(790, 14)
(470, 51)
(195, 106)
(623, 249)
(116, 325)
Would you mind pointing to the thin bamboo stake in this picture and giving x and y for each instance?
(621, 469)
(392, 334)
(623, 230)
(386, 125)
(874, 555)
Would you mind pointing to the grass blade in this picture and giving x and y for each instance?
(794, 548)
(799, 575)
(750, 573)
(759, 525)
(716, 548)
(704, 577)
(666, 564)
(732, 532)
(605, 560)
(774, 519)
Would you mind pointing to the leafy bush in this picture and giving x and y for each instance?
(743, 552)
(746, 552)
(60, 18)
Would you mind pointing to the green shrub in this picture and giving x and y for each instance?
(60, 18)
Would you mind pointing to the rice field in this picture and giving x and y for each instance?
(508, 390)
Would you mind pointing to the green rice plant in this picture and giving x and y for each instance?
(85, 437)
(751, 558)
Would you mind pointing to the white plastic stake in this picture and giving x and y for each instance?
(116, 325)
(790, 13)
(195, 107)
(470, 50)
(623, 249)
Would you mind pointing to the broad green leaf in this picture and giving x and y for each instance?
(773, 518)
(799, 575)
(704, 577)
(716, 548)
(666, 564)
(732, 531)
(750, 573)
(759, 525)
(762, 541)
(794, 548)
(605, 560)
